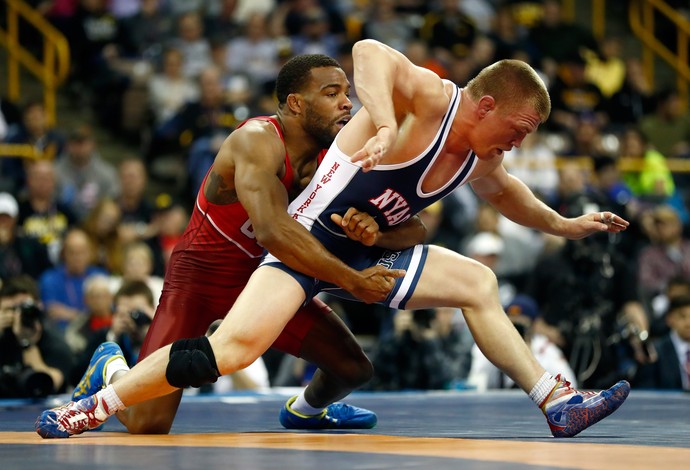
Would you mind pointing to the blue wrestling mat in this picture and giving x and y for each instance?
(456, 429)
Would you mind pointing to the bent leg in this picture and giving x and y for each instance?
(342, 364)
(449, 279)
(252, 325)
(179, 315)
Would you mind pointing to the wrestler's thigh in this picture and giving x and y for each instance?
(449, 279)
(265, 306)
(182, 314)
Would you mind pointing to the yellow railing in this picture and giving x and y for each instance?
(627, 164)
(51, 70)
(598, 15)
(641, 16)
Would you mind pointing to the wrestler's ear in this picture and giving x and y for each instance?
(485, 105)
(294, 102)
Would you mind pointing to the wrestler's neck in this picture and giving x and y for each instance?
(300, 145)
(458, 142)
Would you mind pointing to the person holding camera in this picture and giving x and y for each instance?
(34, 359)
(133, 312)
(671, 369)
(411, 356)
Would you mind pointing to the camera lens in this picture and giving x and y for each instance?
(140, 318)
(35, 384)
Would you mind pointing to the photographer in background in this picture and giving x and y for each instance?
(34, 358)
(671, 370)
(587, 294)
(132, 315)
(411, 356)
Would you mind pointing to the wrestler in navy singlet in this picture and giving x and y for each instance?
(390, 193)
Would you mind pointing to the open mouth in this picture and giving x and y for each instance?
(340, 123)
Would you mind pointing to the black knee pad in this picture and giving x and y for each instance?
(191, 363)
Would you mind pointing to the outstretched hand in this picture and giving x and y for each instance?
(358, 226)
(589, 224)
(375, 148)
(375, 283)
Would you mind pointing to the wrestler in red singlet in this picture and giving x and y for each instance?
(208, 269)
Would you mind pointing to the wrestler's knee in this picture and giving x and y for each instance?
(484, 287)
(355, 371)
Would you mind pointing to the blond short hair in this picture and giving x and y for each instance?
(511, 83)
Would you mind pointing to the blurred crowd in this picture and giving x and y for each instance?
(84, 242)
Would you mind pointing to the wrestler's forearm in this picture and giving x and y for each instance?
(292, 244)
(410, 233)
(518, 203)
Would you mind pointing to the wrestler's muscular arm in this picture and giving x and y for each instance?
(258, 156)
(512, 198)
(391, 87)
(362, 227)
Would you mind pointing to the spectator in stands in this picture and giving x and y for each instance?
(190, 40)
(315, 36)
(94, 34)
(509, 37)
(41, 215)
(386, 24)
(62, 287)
(206, 117)
(98, 300)
(83, 177)
(102, 225)
(226, 23)
(668, 256)
(138, 265)
(574, 99)
(534, 163)
(136, 209)
(672, 368)
(145, 32)
(47, 143)
(678, 286)
(606, 69)
(170, 219)
(668, 127)
(19, 254)
(34, 361)
(449, 32)
(557, 39)
(633, 100)
(169, 90)
(255, 52)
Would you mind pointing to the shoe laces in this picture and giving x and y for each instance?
(340, 411)
(565, 388)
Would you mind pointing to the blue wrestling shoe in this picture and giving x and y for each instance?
(93, 379)
(335, 416)
(569, 411)
(70, 419)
